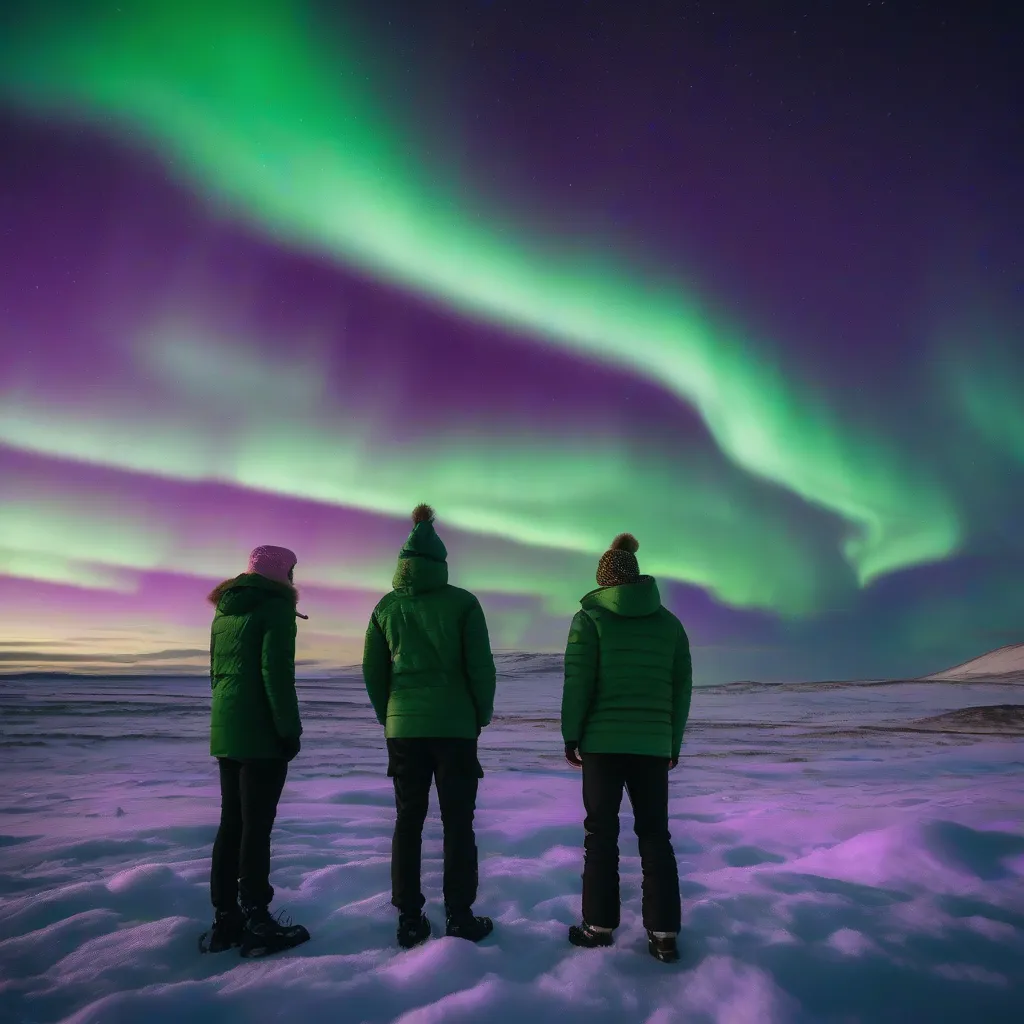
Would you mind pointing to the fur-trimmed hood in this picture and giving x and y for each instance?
(258, 587)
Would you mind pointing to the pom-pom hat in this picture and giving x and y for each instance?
(424, 542)
(618, 565)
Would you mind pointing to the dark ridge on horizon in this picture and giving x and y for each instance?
(996, 718)
(987, 720)
(35, 674)
(522, 664)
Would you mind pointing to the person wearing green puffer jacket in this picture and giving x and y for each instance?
(625, 702)
(430, 677)
(254, 733)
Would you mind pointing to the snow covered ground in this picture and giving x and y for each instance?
(834, 868)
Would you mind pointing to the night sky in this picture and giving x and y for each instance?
(744, 279)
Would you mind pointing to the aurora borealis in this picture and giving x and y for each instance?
(746, 285)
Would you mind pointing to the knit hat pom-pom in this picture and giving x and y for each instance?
(422, 514)
(625, 542)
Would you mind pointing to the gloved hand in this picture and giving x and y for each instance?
(672, 762)
(291, 745)
(572, 755)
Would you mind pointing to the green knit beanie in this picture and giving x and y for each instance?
(423, 542)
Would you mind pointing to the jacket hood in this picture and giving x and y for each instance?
(631, 600)
(243, 593)
(424, 542)
(419, 574)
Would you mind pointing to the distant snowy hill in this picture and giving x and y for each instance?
(1005, 664)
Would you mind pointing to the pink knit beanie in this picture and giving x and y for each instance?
(274, 563)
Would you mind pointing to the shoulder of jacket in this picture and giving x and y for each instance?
(277, 610)
(585, 618)
(277, 600)
(677, 624)
(466, 597)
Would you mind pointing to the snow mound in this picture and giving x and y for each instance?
(1004, 663)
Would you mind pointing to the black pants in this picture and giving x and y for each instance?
(646, 781)
(249, 792)
(453, 765)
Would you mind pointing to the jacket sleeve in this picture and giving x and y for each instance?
(279, 670)
(479, 662)
(580, 676)
(377, 669)
(682, 689)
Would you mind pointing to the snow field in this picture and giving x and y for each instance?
(828, 873)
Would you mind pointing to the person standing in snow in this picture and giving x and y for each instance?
(626, 698)
(254, 734)
(430, 677)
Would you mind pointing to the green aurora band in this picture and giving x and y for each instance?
(988, 388)
(556, 511)
(250, 105)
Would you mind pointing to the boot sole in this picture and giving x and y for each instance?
(257, 952)
(665, 958)
(469, 938)
(455, 933)
(206, 947)
(582, 941)
(413, 945)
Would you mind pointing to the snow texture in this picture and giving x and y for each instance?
(839, 863)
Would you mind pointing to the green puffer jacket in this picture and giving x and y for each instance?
(252, 668)
(628, 676)
(427, 660)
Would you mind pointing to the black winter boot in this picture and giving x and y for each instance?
(264, 934)
(226, 931)
(589, 937)
(662, 947)
(412, 930)
(463, 925)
